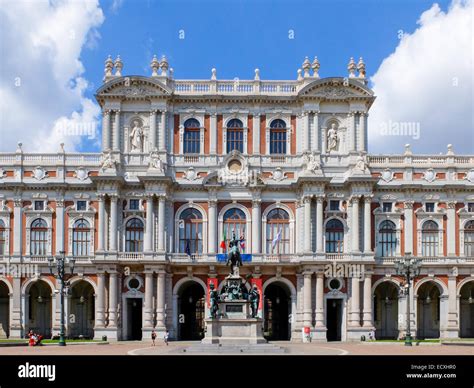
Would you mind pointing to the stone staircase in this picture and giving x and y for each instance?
(230, 349)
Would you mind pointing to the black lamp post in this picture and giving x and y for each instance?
(61, 276)
(409, 267)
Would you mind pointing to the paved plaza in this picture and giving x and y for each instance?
(175, 348)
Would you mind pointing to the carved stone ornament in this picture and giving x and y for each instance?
(39, 173)
(3, 173)
(108, 161)
(386, 175)
(155, 162)
(278, 174)
(429, 175)
(81, 173)
(191, 174)
(470, 176)
(312, 162)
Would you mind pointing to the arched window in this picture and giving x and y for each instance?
(234, 222)
(192, 137)
(235, 135)
(429, 239)
(278, 137)
(334, 236)
(387, 240)
(190, 231)
(39, 237)
(134, 235)
(3, 238)
(469, 239)
(278, 232)
(81, 238)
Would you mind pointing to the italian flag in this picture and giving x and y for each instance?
(223, 245)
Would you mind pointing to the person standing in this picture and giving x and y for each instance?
(165, 337)
(153, 337)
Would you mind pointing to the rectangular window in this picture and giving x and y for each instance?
(192, 141)
(81, 205)
(387, 207)
(134, 204)
(430, 207)
(39, 205)
(334, 205)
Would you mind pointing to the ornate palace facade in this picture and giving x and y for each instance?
(283, 165)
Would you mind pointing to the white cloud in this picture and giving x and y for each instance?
(427, 83)
(41, 79)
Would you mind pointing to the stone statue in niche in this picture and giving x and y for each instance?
(332, 138)
(136, 137)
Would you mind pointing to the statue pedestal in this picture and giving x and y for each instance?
(234, 325)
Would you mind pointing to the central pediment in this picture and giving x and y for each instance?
(336, 88)
(133, 86)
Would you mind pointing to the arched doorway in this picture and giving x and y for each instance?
(428, 311)
(4, 310)
(40, 308)
(277, 310)
(386, 311)
(467, 310)
(191, 312)
(81, 310)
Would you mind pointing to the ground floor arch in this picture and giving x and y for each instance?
(386, 310)
(4, 310)
(191, 309)
(277, 307)
(466, 308)
(428, 310)
(81, 310)
(39, 308)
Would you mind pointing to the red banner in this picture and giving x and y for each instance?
(209, 282)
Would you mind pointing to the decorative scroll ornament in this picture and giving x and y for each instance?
(81, 173)
(39, 173)
(386, 175)
(429, 175)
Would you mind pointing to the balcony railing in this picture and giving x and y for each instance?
(130, 256)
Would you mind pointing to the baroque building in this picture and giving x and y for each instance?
(283, 165)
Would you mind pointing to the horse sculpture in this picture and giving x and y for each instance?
(233, 257)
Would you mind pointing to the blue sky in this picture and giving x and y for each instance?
(418, 55)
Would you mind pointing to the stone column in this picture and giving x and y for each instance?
(100, 313)
(161, 137)
(17, 227)
(60, 226)
(17, 323)
(315, 142)
(116, 135)
(362, 131)
(256, 227)
(352, 130)
(355, 303)
(113, 299)
(451, 228)
(213, 135)
(307, 302)
(152, 129)
(355, 224)
(307, 224)
(452, 324)
(106, 130)
(161, 223)
(319, 225)
(367, 225)
(408, 227)
(149, 224)
(212, 235)
(367, 308)
(113, 223)
(256, 134)
(148, 300)
(319, 299)
(101, 228)
(307, 132)
(160, 301)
